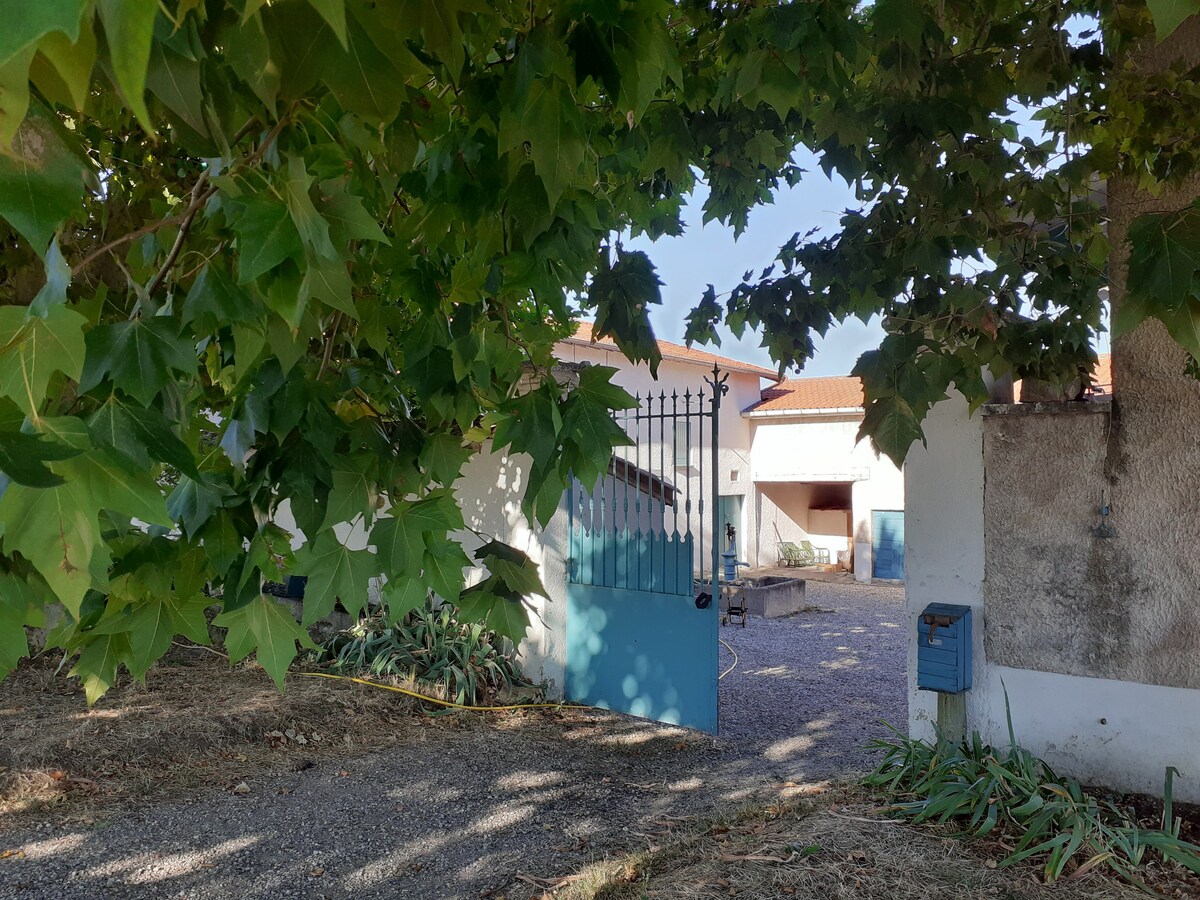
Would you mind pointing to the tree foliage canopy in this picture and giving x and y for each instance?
(314, 253)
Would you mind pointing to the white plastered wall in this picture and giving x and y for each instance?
(1116, 733)
(794, 450)
(733, 456)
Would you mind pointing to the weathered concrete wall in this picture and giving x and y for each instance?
(1059, 598)
(1104, 731)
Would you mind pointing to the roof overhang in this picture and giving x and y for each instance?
(753, 413)
(725, 365)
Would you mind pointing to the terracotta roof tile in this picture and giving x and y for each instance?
(833, 392)
(1102, 382)
(678, 352)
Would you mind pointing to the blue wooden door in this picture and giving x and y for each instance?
(887, 544)
(641, 619)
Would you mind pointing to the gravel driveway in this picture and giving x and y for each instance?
(462, 813)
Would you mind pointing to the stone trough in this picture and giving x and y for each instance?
(769, 596)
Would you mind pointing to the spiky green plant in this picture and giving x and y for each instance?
(1012, 791)
(429, 646)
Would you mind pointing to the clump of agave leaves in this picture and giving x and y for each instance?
(430, 647)
(973, 784)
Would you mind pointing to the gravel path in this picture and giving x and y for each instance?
(459, 815)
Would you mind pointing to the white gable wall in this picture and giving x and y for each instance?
(790, 451)
(733, 458)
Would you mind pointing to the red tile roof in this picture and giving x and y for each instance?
(833, 392)
(677, 352)
(845, 391)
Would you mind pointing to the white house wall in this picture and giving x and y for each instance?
(789, 450)
(733, 457)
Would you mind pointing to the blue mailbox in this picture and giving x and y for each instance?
(944, 648)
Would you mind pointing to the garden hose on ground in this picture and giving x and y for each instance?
(453, 705)
(450, 703)
(732, 665)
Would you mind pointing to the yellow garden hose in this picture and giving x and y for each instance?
(453, 705)
(450, 703)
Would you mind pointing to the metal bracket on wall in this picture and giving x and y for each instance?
(1104, 530)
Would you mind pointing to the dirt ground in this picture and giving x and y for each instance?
(208, 783)
(818, 842)
(197, 724)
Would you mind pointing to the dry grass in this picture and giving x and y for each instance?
(820, 842)
(196, 724)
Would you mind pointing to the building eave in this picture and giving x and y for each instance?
(753, 413)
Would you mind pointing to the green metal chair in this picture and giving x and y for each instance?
(792, 555)
(820, 555)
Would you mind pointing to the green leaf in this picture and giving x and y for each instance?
(115, 487)
(222, 542)
(20, 605)
(175, 80)
(513, 568)
(267, 625)
(400, 538)
(403, 595)
(1168, 15)
(215, 301)
(443, 563)
(333, 12)
(328, 281)
(97, 664)
(149, 627)
(349, 220)
(248, 53)
(532, 425)
(193, 502)
(1164, 257)
(488, 604)
(14, 97)
(140, 356)
(25, 23)
(266, 237)
(622, 294)
(443, 457)
(142, 435)
(23, 458)
(354, 492)
(129, 31)
(367, 80)
(41, 183)
(73, 62)
(551, 125)
(33, 348)
(311, 225)
(595, 385)
(334, 572)
(892, 426)
(1184, 325)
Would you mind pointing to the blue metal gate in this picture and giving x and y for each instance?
(643, 572)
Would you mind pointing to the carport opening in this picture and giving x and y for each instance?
(796, 511)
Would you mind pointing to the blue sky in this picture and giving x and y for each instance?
(709, 254)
